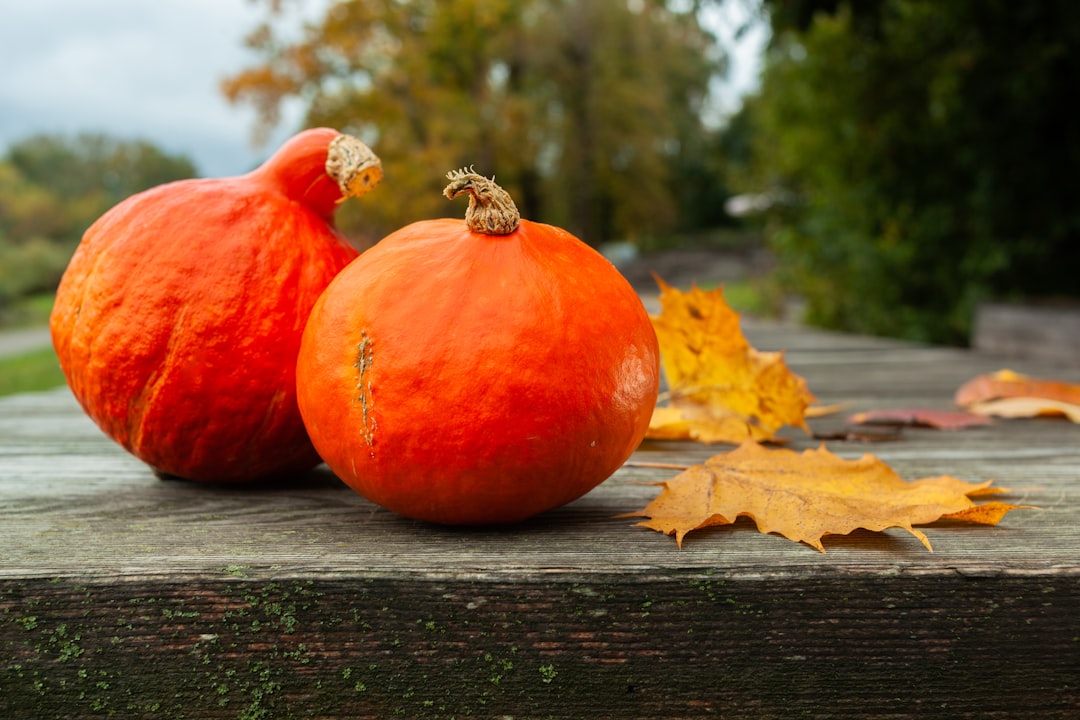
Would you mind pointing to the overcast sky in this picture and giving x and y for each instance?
(151, 69)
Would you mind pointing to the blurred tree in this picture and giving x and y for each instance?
(933, 151)
(585, 109)
(93, 164)
(52, 188)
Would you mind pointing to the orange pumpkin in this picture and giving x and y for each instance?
(477, 372)
(178, 319)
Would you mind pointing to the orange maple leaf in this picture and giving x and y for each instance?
(1010, 394)
(805, 496)
(721, 389)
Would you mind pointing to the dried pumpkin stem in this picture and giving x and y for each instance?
(491, 210)
(353, 165)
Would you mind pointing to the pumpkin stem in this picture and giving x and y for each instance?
(320, 167)
(353, 165)
(491, 210)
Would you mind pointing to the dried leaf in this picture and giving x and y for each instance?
(1009, 384)
(702, 425)
(817, 411)
(920, 417)
(721, 388)
(1010, 394)
(805, 496)
(989, 513)
(1027, 407)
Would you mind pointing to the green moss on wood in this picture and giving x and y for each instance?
(257, 648)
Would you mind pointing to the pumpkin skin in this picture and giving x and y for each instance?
(459, 377)
(178, 319)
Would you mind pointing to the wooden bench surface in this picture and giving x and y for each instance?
(123, 594)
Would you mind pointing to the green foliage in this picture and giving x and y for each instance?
(30, 372)
(933, 151)
(27, 311)
(95, 166)
(588, 111)
(52, 188)
(31, 266)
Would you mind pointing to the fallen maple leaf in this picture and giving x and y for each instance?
(1027, 407)
(720, 388)
(685, 421)
(805, 496)
(1010, 394)
(920, 417)
(1007, 383)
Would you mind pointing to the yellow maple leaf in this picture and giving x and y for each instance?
(805, 496)
(703, 424)
(721, 389)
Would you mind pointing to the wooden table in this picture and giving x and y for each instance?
(128, 596)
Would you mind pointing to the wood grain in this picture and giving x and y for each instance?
(1044, 332)
(122, 593)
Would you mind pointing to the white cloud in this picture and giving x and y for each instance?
(743, 32)
(152, 69)
(130, 68)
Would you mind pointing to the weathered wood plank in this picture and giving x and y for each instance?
(681, 645)
(121, 593)
(1047, 332)
(83, 509)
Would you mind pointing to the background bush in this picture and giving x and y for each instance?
(933, 153)
(52, 188)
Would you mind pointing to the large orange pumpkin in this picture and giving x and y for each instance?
(178, 319)
(477, 372)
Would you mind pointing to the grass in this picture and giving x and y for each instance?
(759, 297)
(27, 311)
(30, 372)
(746, 297)
(37, 369)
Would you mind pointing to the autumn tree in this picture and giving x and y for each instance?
(53, 187)
(582, 108)
(933, 153)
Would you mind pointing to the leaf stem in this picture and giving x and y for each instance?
(655, 465)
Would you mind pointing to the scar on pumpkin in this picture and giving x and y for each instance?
(364, 358)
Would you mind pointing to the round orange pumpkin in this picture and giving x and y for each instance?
(477, 372)
(178, 319)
